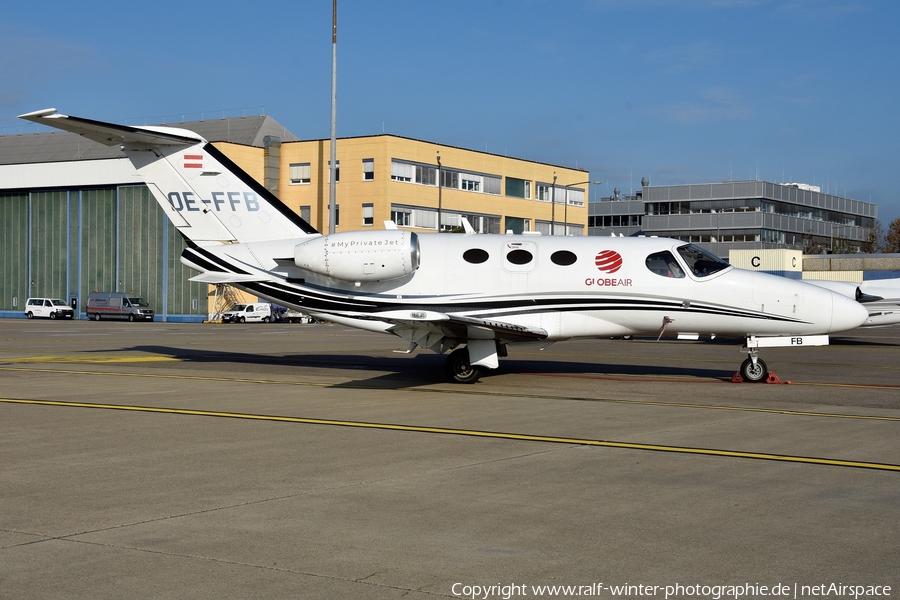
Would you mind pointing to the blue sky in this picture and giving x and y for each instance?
(681, 91)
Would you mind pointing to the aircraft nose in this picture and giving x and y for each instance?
(846, 313)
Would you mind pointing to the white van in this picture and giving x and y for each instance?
(51, 308)
(118, 305)
(254, 312)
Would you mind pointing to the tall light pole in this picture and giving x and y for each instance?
(332, 188)
(553, 206)
(566, 210)
(440, 190)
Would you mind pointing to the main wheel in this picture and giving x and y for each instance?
(243, 320)
(131, 318)
(754, 373)
(458, 368)
(97, 317)
(30, 314)
(265, 319)
(53, 315)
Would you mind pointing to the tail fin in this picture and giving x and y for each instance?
(205, 195)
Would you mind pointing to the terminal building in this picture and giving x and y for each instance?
(739, 215)
(75, 217)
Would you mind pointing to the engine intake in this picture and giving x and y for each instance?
(359, 256)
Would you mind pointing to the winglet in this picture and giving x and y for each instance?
(33, 116)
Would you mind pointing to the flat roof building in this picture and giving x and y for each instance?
(737, 215)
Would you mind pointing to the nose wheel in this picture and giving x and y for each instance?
(754, 369)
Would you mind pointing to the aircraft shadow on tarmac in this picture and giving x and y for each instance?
(423, 368)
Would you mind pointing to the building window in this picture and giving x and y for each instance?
(400, 217)
(470, 183)
(300, 174)
(368, 169)
(517, 225)
(305, 213)
(491, 185)
(426, 175)
(337, 171)
(450, 179)
(543, 192)
(518, 188)
(402, 171)
(575, 197)
(368, 214)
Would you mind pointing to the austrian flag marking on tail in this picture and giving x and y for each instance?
(608, 261)
(193, 161)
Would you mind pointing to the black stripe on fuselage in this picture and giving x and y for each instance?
(218, 264)
(312, 300)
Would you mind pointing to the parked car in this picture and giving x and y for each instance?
(118, 305)
(254, 312)
(295, 316)
(51, 308)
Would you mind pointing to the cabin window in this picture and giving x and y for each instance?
(476, 256)
(664, 265)
(563, 258)
(701, 262)
(519, 257)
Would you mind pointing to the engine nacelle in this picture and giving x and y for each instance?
(359, 256)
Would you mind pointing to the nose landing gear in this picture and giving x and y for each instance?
(754, 369)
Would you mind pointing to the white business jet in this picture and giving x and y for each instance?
(470, 295)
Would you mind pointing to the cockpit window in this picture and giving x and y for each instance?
(664, 265)
(701, 262)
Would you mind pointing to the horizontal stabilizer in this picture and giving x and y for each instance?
(111, 134)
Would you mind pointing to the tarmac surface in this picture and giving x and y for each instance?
(312, 461)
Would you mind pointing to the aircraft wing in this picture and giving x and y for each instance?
(421, 326)
(110, 134)
(215, 277)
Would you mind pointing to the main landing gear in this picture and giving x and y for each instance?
(458, 368)
(485, 355)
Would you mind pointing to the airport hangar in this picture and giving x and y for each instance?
(75, 217)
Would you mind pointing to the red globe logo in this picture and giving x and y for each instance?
(609, 261)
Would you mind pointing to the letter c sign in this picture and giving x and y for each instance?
(755, 261)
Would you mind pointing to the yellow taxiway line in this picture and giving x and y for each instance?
(470, 433)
